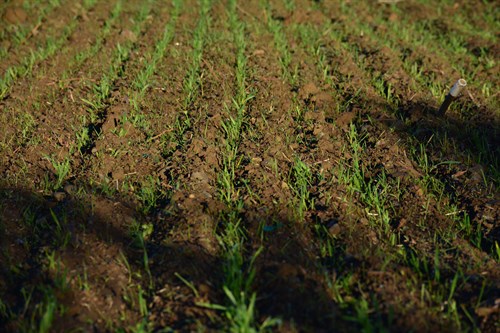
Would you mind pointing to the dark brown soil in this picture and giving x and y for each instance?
(334, 266)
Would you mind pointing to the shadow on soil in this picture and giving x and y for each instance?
(466, 154)
(84, 259)
(94, 248)
(462, 151)
(475, 135)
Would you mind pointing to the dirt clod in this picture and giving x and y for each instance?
(15, 15)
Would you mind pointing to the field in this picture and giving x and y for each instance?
(249, 166)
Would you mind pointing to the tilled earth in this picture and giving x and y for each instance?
(331, 266)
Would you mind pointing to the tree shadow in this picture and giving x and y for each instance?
(475, 131)
(85, 256)
(107, 267)
(465, 155)
(99, 269)
(459, 148)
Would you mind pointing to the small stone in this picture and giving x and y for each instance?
(485, 311)
(70, 189)
(200, 177)
(59, 196)
(419, 191)
(204, 289)
(334, 229)
(206, 195)
(129, 35)
(476, 174)
(192, 196)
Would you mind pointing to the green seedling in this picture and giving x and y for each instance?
(48, 313)
(497, 251)
(289, 72)
(82, 56)
(362, 317)
(188, 284)
(300, 182)
(62, 170)
(193, 79)
(25, 66)
(150, 194)
(61, 234)
(142, 80)
(140, 233)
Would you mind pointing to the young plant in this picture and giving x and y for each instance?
(62, 170)
(281, 43)
(300, 182)
(143, 78)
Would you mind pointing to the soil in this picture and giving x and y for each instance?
(328, 268)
